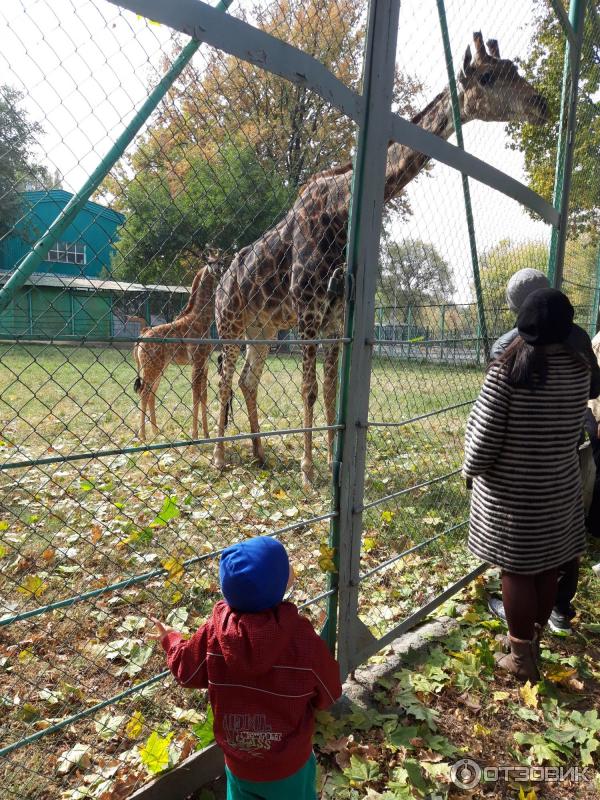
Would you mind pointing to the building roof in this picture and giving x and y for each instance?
(61, 196)
(94, 284)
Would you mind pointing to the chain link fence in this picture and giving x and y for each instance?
(194, 292)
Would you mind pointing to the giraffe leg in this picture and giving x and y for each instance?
(199, 394)
(204, 402)
(196, 394)
(309, 398)
(152, 405)
(330, 377)
(230, 354)
(256, 355)
(143, 405)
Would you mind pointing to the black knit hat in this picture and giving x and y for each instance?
(546, 317)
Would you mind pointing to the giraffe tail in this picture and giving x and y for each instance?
(138, 385)
(229, 406)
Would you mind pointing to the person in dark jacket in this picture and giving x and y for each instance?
(521, 453)
(592, 426)
(519, 287)
(266, 670)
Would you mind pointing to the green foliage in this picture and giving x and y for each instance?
(569, 733)
(544, 67)
(18, 137)
(169, 511)
(500, 262)
(204, 731)
(414, 273)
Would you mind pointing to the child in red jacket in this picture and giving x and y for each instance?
(266, 671)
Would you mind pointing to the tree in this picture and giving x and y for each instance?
(17, 139)
(233, 137)
(544, 68)
(500, 262)
(413, 273)
(225, 203)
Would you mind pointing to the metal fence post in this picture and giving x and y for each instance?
(465, 179)
(566, 142)
(596, 301)
(363, 246)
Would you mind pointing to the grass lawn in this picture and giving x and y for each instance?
(78, 526)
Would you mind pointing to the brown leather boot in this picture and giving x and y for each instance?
(521, 661)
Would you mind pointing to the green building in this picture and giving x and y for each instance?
(68, 296)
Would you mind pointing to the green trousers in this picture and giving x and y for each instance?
(299, 786)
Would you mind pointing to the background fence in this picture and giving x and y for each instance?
(193, 149)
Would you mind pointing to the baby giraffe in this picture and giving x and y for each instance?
(152, 357)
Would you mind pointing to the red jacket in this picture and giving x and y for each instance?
(266, 674)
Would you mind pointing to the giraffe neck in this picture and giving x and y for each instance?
(201, 296)
(404, 163)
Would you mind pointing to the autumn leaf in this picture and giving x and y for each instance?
(4, 525)
(387, 516)
(531, 795)
(361, 770)
(499, 696)
(204, 731)
(563, 676)
(108, 725)
(325, 561)
(77, 756)
(174, 569)
(33, 585)
(96, 533)
(168, 512)
(155, 753)
(135, 725)
(529, 694)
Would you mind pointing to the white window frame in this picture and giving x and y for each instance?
(68, 253)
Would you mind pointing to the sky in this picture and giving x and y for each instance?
(85, 66)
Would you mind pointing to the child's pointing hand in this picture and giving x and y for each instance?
(161, 630)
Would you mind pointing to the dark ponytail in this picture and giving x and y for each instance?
(526, 365)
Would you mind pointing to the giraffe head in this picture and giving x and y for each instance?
(215, 262)
(492, 89)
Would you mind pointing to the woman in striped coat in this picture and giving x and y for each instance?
(521, 450)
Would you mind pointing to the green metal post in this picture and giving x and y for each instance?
(566, 143)
(40, 249)
(478, 346)
(596, 302)
(364, 231)
(465, 180)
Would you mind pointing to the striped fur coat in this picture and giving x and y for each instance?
(521, 449)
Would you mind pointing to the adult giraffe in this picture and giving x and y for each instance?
(292, 275)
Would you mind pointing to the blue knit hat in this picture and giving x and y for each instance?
(254, 574)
